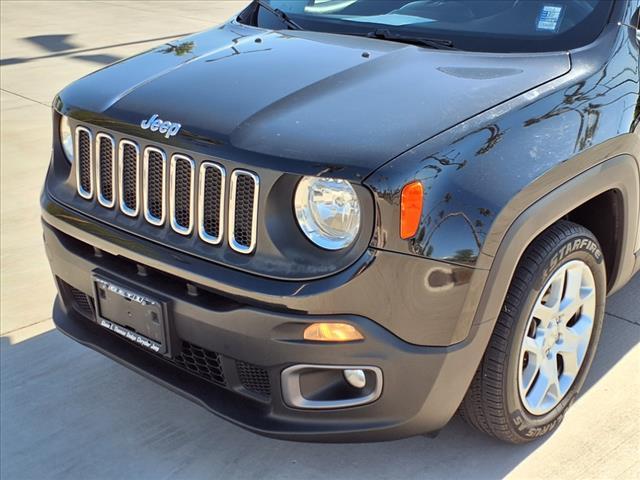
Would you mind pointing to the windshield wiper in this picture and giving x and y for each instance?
(284, 18)
(437, 43)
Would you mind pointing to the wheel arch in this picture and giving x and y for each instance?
(619, 174)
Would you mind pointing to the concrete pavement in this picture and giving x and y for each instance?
(67, 412)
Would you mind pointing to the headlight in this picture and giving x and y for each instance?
(66, 137)
(328, 211)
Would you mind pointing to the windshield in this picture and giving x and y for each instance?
(481, 25)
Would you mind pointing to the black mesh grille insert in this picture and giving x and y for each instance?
(212, 202)
(105, 152)
(242, 225)
(130, 177)
(204, 363)
(84, 160)
(154, 185)
(82, 303)
(182, 193)
(254, 378)
(77, 300)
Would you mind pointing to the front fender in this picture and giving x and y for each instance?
(508, 157)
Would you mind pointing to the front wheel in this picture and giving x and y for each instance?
(544, 340)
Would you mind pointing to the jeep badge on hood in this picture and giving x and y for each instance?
(156, 124)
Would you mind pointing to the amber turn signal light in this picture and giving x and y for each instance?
(411, 209)
(332, 332)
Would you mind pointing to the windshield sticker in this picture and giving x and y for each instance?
(549, 18)
(394, 19)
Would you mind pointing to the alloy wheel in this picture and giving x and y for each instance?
(557, 337)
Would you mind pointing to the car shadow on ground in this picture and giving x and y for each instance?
(63, 45)
(69, 412)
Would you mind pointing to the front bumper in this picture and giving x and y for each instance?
(422, 388)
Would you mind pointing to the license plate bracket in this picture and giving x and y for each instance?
(132, 314)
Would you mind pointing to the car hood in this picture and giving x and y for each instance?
(323, 102)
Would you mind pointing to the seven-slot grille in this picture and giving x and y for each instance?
(147, 182)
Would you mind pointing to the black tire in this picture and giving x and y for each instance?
(492, 403)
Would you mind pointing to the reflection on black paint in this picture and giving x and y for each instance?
(588, 98)
(178, 49)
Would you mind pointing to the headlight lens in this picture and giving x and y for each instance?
(328, 211)
(66, 137)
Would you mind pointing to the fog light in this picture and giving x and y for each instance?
(330, 386)
(332, 332)
(356, 378)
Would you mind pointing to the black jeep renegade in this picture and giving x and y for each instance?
(347, 220)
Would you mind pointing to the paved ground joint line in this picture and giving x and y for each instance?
(632, 322)
(25, 326)
(26, 98)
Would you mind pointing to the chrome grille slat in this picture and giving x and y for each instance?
(129, 173)
(84, 162)
(182, 194)
(211, 194)
(154, 185)
(243, 211)
(106, 169)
